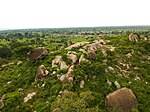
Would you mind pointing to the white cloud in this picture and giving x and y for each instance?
(72, 13)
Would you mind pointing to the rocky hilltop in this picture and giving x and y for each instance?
(80, 74)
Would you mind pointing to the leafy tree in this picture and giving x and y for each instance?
(5, 52)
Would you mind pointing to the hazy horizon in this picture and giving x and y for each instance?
(30, 14)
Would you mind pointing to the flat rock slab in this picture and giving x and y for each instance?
(121, 100)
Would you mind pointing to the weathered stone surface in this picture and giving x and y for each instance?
(94, 46)
(73, 57)
(63, 65)
(19, 62)
(37, 53)
(41, 72)
(1, 104)
(68, 77)
(56, 61)
(76, 45)
(121, 100)
(134, 37)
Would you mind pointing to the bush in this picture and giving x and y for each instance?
(5, 52)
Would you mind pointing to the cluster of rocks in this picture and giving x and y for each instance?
(87, 48)
(122, 99)
(68, 77)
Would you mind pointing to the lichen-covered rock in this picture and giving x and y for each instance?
(41, 72)
(1, 104)
(134, 37)
(37, 53)
(121, 100)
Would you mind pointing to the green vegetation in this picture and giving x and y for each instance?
(18, 80)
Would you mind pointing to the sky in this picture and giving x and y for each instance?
(21, 14)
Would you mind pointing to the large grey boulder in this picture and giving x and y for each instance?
(37, 53)
(121, 100)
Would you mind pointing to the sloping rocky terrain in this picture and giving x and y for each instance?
(80, 74)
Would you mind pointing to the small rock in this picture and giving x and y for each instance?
(29, 96)
(56, 61)
(69, 43)
(137, 78)
(110, 69)
(129, 55)
(109, 82)
(8, 82)
(117, 85)
(105, 61)
(41, 72)
(19, 62)
(63, 65)
(129, 82)
(148, 58)
(82, 84)
(20, 89)
(43, 85)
